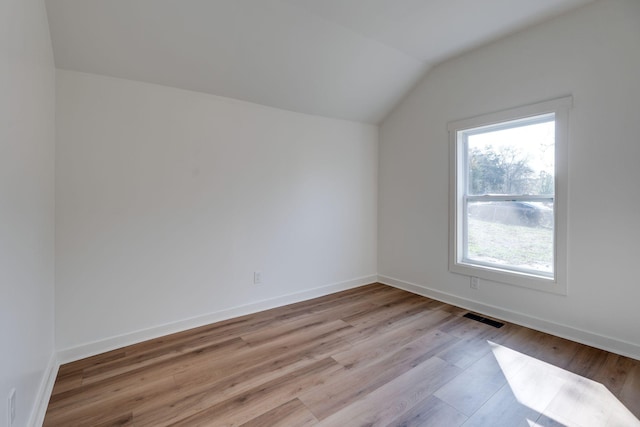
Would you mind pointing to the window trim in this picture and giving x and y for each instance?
(556, 284)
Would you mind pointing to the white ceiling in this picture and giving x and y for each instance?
(349, 59)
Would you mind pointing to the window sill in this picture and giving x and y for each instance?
(522, 280)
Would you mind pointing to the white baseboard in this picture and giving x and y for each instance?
(44, 392)
(101, 346)
(613, 345)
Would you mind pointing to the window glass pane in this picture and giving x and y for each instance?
(514, 158)
(515, 235)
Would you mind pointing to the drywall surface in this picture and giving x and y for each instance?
(168, 201)
(27, 140)
(593, 54)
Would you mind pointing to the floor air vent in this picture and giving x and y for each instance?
(484, 320)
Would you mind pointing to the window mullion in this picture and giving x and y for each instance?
(510, 198)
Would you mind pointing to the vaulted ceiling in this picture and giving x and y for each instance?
(348, 59)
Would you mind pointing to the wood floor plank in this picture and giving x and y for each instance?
(587, 361)
(199, 395)
(464, 353)
(430, 412)
(340, 389)
(257, 401)
(316, 343)
(373, 355)
(292, 413)
(470, 390)
(464, 328)
(336, 310)
(374, 349)
(630, 393)
(390, 312)
(503, 410)
(396, 397)
(376, 294)
(125, 419)
(285, 330)
(102, 406)
(388, 325)
(133, 378)
(240, 373)
(614, 372)
(186, 351)
(98, 359)
(555, 350)
(376, 337)
(551, 349)
(67, 382)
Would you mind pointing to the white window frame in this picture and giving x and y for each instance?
(556, 283)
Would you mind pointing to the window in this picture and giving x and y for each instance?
(509, 194)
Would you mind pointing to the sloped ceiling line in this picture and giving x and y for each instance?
(351, 60)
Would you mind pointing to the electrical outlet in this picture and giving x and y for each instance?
(475, 283)
(257, 277)
(11, 410)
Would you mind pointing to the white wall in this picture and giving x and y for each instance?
(27, 89)
(592, 53)
(168, 200)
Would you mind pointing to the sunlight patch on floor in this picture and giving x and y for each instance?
(562, 397)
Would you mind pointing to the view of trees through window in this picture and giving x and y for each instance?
(516, 160)
(513, 161)
(506, 170)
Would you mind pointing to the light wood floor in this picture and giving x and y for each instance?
(371, 356)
